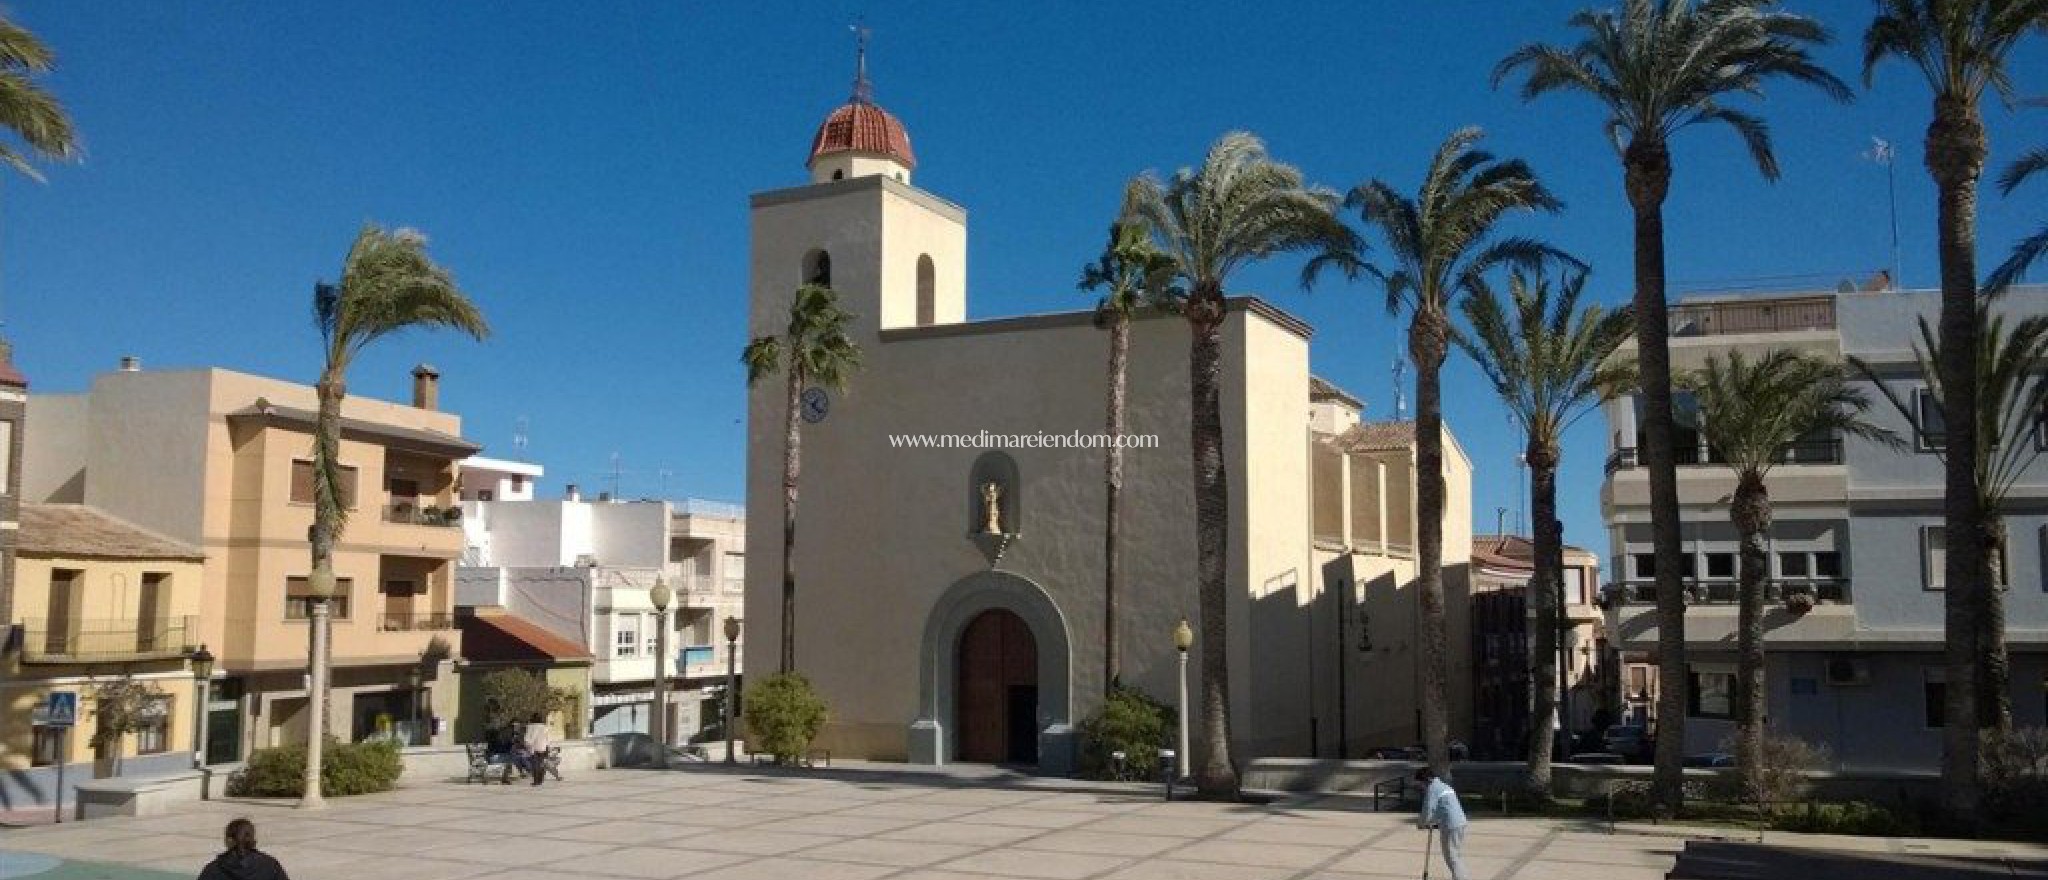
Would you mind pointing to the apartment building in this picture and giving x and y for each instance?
(221, 461)
(1856, 525)
(1504, 642)
(583, 570)
(1363, 490)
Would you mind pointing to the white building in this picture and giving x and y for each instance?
(584, 570)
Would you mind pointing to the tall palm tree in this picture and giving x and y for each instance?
(814, 349)
(2033, 246)
(1752, 412)
(1134, 276)
(388, 284)
(1547, 358)
(32, 114)
(1441, 243)
(1660, 67)
(1241, 206)
(1960, 47)
(2010, 395)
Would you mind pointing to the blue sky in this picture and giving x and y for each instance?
(584, 168)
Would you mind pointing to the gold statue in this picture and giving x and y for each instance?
(991, 508)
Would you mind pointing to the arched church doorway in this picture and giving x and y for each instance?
(998, 690)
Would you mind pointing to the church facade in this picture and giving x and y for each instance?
(949, 600)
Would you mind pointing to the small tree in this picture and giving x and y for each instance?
(1131, 722)
(783, 715)
(514, 695)
(121, 707)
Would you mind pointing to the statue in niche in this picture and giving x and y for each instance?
(991, 508)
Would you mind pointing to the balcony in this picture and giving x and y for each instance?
(415, 622)
(1833, 591)
(413, 514)
(45, 641)
(1732, 317)
(1827, 451)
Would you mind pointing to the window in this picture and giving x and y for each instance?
(6, 454)
(1827, 564)
(1934, 559)
(152, 736)
(735, 572)
(626, 641)
(927, 297)
(1794, 565)
(1933, 426)
(1713, 695)
(1934, 714)
(298, 599)
(1639, 682)
(518, 482)
(302, 484)
(1720, 565)
(49, 745)
(818, 268)
(1646, 565)
(483, 495)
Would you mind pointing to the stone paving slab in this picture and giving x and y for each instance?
(714, 822)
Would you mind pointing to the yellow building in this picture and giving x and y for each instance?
(222, 460)
(97, 602)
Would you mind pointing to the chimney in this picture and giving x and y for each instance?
(426, 387)
(570, 493)
(131, 364)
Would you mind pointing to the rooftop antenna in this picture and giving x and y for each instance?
(1400, 391)
(664, 473)
(615, 476)
(863, 91)
(1882, 153)
(1500, 518)
(519, 426)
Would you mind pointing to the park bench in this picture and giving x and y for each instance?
(482, 759)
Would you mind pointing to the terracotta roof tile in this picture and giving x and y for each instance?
(864, 128)
(499, 636)
(1375, 436)
(78, 530)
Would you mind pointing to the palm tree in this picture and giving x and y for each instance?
(388, 284)
(1960, 47)
(1441, 243)
(1241, 206)
(1660, 67)
(1547, 358)
(2010, 396)
(1752, 412)
(2032, 247)
(35, 117)
(815, 348)
(1137, 276)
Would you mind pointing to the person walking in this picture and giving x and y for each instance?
(242, 860)
(536, 740)
(1442, 811)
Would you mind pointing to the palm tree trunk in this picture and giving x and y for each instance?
(1751, 514)
(1955, 158)
(1545, 587)
(1994, 665)
(1215, 773)
(792, 465)
(1428, 338)
(330, 391)
(1113, 490)
(1647, 177)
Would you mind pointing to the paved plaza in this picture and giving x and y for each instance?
(720, 824)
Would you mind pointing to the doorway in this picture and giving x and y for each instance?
(998, 690)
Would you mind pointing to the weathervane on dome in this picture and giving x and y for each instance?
(863, 91)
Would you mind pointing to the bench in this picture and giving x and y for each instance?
(482, 759)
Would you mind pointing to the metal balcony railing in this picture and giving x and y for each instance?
(408, 513)
(1833, 591)
(415, 622)
(1753, 316)
(129, 639)
(1823, 451)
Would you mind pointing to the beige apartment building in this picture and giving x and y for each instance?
(950, 587)
(222, 461)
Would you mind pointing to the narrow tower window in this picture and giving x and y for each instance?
(927, 305)
(818, 268)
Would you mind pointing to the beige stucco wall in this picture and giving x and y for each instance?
(23, 689)
(109, 589)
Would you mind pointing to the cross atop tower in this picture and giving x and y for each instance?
(863, 91)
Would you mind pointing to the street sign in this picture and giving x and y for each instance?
(60, 711)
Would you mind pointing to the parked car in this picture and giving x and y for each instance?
(1710, 759)
(1596, 758)
(1630, 741)
(1459, 752)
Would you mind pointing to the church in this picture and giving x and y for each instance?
(949, 600)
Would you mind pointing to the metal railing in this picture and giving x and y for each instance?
(407, 513)
(1753, 316)
(1819, 451)
(415, 622)
(1720, 591)
(129, 639)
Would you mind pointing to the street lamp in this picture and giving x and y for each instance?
(660, 595)
(1183, 638)
(732, 694)
(414, 679)
(202, 674)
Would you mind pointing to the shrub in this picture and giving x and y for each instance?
(345, 769)
(1130, 722)
(2016, 772)
(783, 715)
(1854, 817)
(511, 696)
(1780, 774)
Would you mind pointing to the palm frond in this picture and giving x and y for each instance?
(1548, 359)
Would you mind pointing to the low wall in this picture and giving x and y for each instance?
(1485, 778)
(139, 795)
(444, 763)
(32, 787)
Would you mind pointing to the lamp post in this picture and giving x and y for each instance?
(202, 675)
(660, 596)
(732, 694)
(415, 680)
(1183, 638)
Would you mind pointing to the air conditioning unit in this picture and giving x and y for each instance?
(1846, 672)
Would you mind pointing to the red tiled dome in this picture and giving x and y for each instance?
(865, 128)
